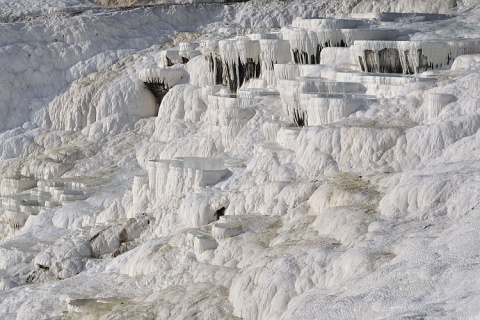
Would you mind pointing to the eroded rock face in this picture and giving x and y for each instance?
(130, 3)
(277, 181)
(123, 3)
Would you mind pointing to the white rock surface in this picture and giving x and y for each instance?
(219, 203)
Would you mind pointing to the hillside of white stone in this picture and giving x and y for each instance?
(246, 174)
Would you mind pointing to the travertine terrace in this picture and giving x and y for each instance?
(258, 160)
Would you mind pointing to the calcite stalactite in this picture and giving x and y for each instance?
(241, 61)
(209, 49)
(160, 80)
(410, 57)
(435, 103)
(298, 104)
(179, 176)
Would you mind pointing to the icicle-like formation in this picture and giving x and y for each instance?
(328, 23)
(410, 57)
(182, 55)
(291, 91)
(247, 49)
(307, 45)
(241, 61)
(188, 46)
(435, 103)
(181, 175)
(152, 174)
(207, 171)
(185, 52)
(139, 194)
(15, 185)
(387, 85)
(303, 44)
(209, 47)
(326, 108)
(232, 121)
(401, 56)
(292, 71)
(68, 195)
(230, 59)
(178, 179)
(188, 50)
(187, 55)
(330, 38)
(255, 84)
(312, 84)
(230, 114)
(19, 207)
(62, 191)
(160, 80)
(165, 171)
(10, 204)
(218, 102)
(162, 76)
(22, 203)
(15, 219)
(458, 48)
(270, 128)
(248, 102)
(158, 175)
(244, 99)
(169, 58)
(308, 37)
(347, 37)
(273, 51)
(210, 51)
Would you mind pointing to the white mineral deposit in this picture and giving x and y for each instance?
(196, 159)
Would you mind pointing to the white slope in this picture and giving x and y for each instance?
(219, 207)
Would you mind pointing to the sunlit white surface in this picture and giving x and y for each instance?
(215, 204)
